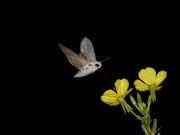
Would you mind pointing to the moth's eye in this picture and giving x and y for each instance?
(97, 65)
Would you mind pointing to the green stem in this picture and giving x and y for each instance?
(146, 125)
(137, 116)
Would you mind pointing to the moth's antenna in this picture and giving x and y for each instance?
(107, 78)
(106, 59)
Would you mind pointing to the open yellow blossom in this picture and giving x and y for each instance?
(113, 98)
(150, 81)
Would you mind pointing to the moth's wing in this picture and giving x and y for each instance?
(77, 62)
(82, 56)
(87, 49)
(73, 58)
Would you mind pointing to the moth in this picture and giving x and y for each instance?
(86, 61)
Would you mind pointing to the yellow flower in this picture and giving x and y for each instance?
(150, 81)
(113, 98)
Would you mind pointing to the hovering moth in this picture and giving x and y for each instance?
(86, 61)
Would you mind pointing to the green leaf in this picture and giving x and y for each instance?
(148, 105)
(139, 100)
(149, 101)
(135, 104)
(141, 118)
(148, 119)
(154, 127)
(133, 101)
(143, 106)
(158, 130)
(145, 130)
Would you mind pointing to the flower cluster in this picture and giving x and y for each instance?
(149, 81)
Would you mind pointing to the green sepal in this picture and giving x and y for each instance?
(152, 89)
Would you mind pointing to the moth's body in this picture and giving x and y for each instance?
(86, 61)
(88, 69)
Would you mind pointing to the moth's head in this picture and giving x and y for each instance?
(98, 64)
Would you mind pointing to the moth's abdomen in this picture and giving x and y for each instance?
(88, 69)
(82, 73)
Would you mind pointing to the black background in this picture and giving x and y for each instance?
(49, 100)
(61, 102)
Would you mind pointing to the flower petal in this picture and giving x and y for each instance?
(117, 85)
(121, 87)
(110, 98)
(139, 85)
(147, 75)
(111, 101)
(161, 76)
(110, 93)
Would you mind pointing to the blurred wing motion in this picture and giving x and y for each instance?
(87, 50)
(73, 58)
